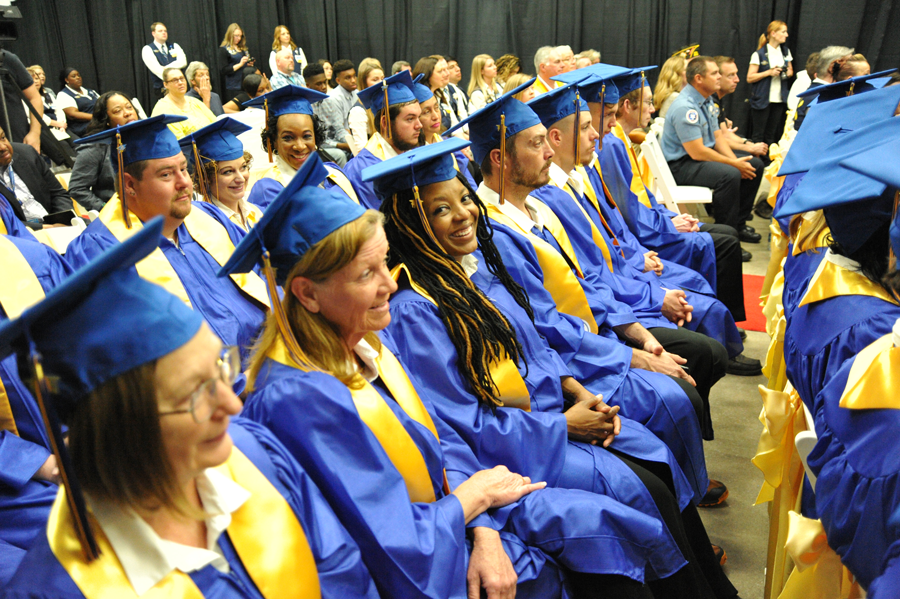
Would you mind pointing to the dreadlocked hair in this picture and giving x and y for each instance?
(479, 331)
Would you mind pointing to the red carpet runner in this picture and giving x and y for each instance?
(755, 319)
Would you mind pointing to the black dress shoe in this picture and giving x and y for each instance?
(746, 256)
(747, 227)
(748, 235)
(742, 366)
(763, 210)
(742, 333)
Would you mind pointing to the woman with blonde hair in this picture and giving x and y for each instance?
(483, 85)
(770, 68)
(672, 79)
(232, 57)
(362, 124)
(507, 65)
(283, 41)
(527, 94)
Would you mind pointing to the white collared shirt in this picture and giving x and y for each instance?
(246, 208)
(534, 218)
(367, 354)
(34, 211)
(469, 264)
(146, 558)
(560, 178)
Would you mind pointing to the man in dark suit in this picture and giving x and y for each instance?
(28, 185)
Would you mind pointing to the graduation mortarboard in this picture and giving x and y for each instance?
(299, 217)
(491, 126)
(99, 323)
(146, 139)
(417, 168)
(847, 87)
(557, 104)
(422, 92)
(636, 79)
(855, 204)
(595, 82)
(397, 89)
(827, 123)
(216, 142)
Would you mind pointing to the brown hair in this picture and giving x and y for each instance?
(772, 28)
(117, 448)
(365, 69)
(229, 36)
(276, 43)
(210, 172)
(318, 338)
(506, 64)
(697, 66)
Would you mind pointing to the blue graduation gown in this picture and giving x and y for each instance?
(858, 479)
(266, 189)
(653, 226)
(602, 364)
(231, 315)
(10, 558)
(787, 189)
(14, 227)
(418, 549)
(886, 585)
(341, 571)
(25, 503)
(642, 291)
(532, 443)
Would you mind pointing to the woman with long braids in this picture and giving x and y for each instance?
(325, 382)
(292, 134)
(467, 333)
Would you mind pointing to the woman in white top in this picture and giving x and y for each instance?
(362, 125)
(770, 69)
(284, 41)
(483, 86)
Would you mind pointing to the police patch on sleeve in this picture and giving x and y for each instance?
(692, 116)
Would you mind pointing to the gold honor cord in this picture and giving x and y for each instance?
(892, 257)
(502, 127)
(268, 138)
(120, 161)
(640, 116)
(386, 112)
(602, 108)
(80, 522)
(284, 327)
(201, 175)
(577, 127)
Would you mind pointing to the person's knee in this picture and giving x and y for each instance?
(693, 396)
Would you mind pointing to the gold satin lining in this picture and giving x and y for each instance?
(820, 241)
(3, 227)
(265, 532)
(638, 184)
(831, 280)
(875, 371)
(559, 280)
(204, 229)
(399, 446)
(512, 390)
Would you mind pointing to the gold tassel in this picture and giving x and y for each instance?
(421, 210)
(120, 150)
(386, 110)
(284, 327)
(268, 142)
(640, 114)
(502, 157)
(577, 128)
(201, 174)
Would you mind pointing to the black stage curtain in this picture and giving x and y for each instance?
(103, 38)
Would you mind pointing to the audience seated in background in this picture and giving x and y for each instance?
(177, 102)
(28, 185)
(672, 80)
(483, 85)
(547, 64)
(507, 66)
(56, 142)
(514, 81)
(591, 54)
(93, 180)
(314, 74)
(435, 76)
(284, 73)
(827, 66)
(567, 58)
(283, 41)
(197, 74)
(254, 86)
(455, 77)
(326, 64)
(400, 65)
(582, 61)
(369, 73)
(335, 111)
(76, 101)
(803, 80)
(855, 66)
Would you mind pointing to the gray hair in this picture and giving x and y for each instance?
(541, 56)
(192, 69)
(398, 66)
(828, 55)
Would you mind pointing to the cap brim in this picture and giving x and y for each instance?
(110, 134)
(413, 158)
(495, 105)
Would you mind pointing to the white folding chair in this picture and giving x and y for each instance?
(804, 442)
(672, 193)
(138, 108)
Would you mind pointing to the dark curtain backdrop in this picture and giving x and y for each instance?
(103, 38)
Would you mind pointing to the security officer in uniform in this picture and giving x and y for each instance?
(161, 54)
(698, 154)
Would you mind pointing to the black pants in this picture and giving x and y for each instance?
(706, 362)
(729, 268)
(732, 201)
(767, 123)
(61, 152)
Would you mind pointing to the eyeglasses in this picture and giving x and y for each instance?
(201, 400)
(177, 80)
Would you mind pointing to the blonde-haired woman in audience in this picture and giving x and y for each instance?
(232, 57)
(283, 41)
(177, 102)
(507, 65)
(483, 85)
(672, 79)
(362, 124)
(515, 81)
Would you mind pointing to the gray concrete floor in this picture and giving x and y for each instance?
(737, 525)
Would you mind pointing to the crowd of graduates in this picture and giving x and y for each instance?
(475, 359)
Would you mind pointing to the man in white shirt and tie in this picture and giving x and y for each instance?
(160, 54)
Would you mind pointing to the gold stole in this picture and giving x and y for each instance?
(559, 280)
(875, 370)
(3, 227)
(269, 172)
(374, 146)
(335, 176)
(341, 180)
(640, 177)
(265, 532)
(595, 234)
(21, 290)
(505, 373)
(831, 280)
(820, 241)
(396, 441)
(204, 229)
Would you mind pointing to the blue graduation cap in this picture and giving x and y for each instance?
(290, 99)
(827, 123)
(396, 89)
(101, 322)
(300, 216)
(601, 71)
(418, 167)
(847, 87)
(422, 93)
(877, 163)
(146, 139)
(214, 143)
(855, 204)
(636, 79)
(557, 104)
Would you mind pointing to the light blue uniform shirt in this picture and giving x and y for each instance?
(690, 117)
